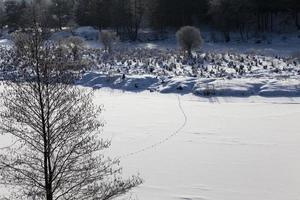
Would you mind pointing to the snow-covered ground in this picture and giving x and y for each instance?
(241, 87)
(191, 148)
(185, 146)
(270, 68)
(209, 73)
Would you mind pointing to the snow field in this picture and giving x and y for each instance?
(188, 147)
(229, 149)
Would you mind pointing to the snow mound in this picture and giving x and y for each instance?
(61, 35)
(242, 87)
(168, 71)
(87, 32)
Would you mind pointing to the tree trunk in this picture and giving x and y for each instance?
(226, 36)
(297, 22)
(258, 22)
(241, 33)
(47, 169)
(59, 18)
(190, 53)
(271, 18)
(60, 23)
(49, 196)
(266, 22)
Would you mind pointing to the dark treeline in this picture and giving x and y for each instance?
(126, 17)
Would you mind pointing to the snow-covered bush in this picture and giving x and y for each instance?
(20, 41)
(74, 44)
(189, 38)
(108, 38)
(168, 63)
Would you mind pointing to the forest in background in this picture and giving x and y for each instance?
(127, 17)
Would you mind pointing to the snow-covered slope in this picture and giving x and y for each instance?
(241, 87)
(207, 74)
(211, 72)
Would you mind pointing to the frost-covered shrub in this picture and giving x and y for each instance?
(73, 44)
(108, 38)
(21, 41)
(189, 38)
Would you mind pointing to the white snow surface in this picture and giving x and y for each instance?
(240, 87)
(219, 69)
(187, 147)
(192, 148)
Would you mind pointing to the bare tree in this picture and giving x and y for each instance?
(2, 15)
(127, 16)
(61, 11)
(57, 152)
(189, 38)
(137, 10)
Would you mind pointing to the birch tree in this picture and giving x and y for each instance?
(58, 150)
